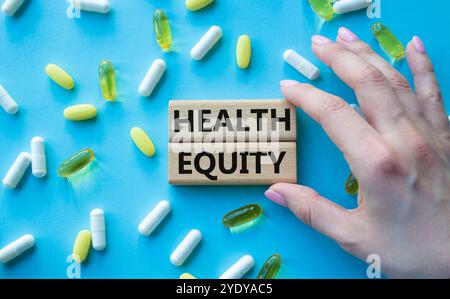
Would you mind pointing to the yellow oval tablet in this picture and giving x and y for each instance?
(194, 5)
(243, 51)
(142, 141)
(60, 76)
(187, 276)
(80, 112)
(82, 246)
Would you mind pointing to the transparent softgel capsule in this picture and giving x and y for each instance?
(322, 8)
(107, 76)
(351, 186)
(242, 215)
(161, 26)
(75, 163)
(271, 267)
(388, 41)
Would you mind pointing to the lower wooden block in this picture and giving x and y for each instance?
(232, 163)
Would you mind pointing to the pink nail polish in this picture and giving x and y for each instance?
(288, 83)
(275, 197)
(418, 44)
(346, 35)
(320, 40)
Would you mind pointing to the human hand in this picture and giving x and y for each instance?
(400, 156)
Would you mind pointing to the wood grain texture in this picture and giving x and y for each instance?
(232, 163)
(231, 121)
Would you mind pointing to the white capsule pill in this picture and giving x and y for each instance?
(100, 6)
(206, 43)
(38, 159)
(152, 77)
(16, 248)
(301, 64)
(185, 248)
(345, 6)
(7, 103)
(154, 218)
(98, 229)
(17, 170)
(10, 7)
(239, 269)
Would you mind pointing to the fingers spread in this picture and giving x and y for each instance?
(376, 96)
(314, 210)
(426, 86)
(348, 130)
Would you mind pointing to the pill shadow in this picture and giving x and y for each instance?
(21, 258)
(22, 9)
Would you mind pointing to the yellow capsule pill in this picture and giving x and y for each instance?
(187, 276)
(60, 76)
(194, 5)
(80, 112)
(243, 51)
(82, 246)
(142, 141)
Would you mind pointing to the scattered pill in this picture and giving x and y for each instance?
(154, 218)
(152, 77)
(239, 269)
(301, 64)
(194, 5)
(10, 7)
(161, 27)
(206, 43)
(107, 76)
(60, 76)
(187, 276)
(322, 8)
(345, 6)
(80, 112)
(38, 159)
(185, 248)
(82, 246)
(242, 215)
(17, 170)
(270, 268)
(142, 141)
(98, 229)
(7, 102)
(99, 6)
(243, 51)
(388, 41)
(351, 186)
(75, 163)
(16, 248)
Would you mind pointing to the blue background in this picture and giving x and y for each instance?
(125, 183)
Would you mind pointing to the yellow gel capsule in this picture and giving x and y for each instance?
(75, 163)
(194, 5)
(388, 41)
(187, 276)
(80, 112)
(243, 51)
(323, 8)
(142, 141)
(82, 246)
(107, 76)
(161, 27)
(60, 76)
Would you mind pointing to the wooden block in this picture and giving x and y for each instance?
(231, 121)
(232, 163)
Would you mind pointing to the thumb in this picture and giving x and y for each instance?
(314, 210)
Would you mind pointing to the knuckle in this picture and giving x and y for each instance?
(386, 164)
(433, 98)
(399, 83)
(303, 212)
(335, 104)
(371, 76)
(365, 50)
(422, 150)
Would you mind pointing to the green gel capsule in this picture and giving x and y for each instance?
(242, 215)
(271, 267)
(388, 41)
(161, 26)
(107, 76)
(351, 186)
(323, 8)
(75, 163)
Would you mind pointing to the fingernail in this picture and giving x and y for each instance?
(275, 197)
(288, 83)
(418, 44)
(346, 35)
(320, 40)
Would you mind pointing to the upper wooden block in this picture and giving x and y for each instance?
(231, 121)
